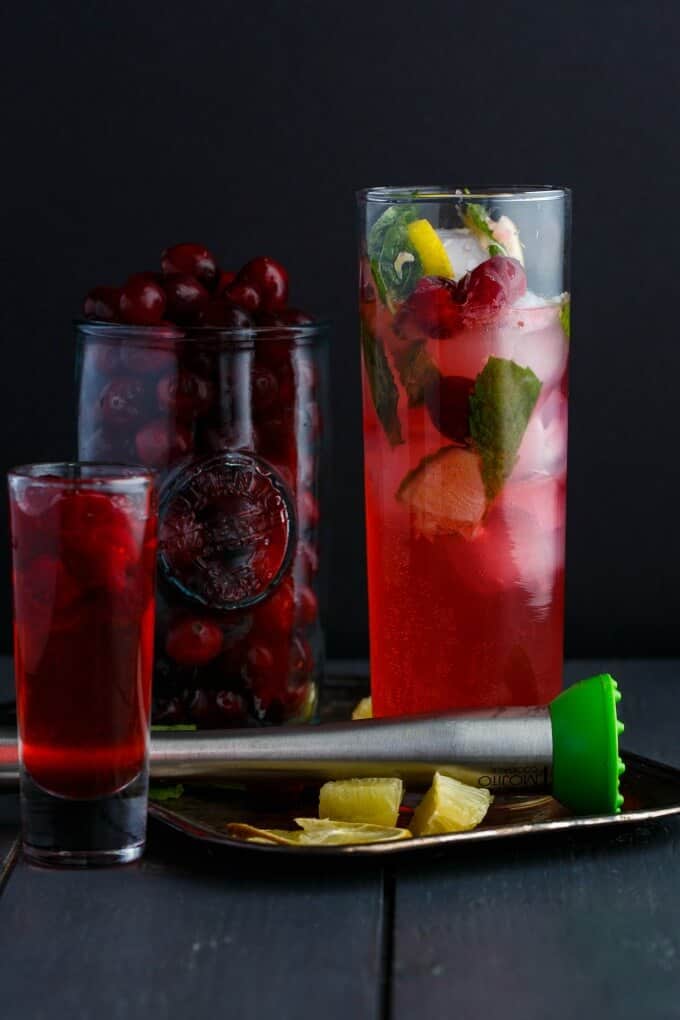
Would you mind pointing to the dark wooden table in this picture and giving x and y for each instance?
(582, 926)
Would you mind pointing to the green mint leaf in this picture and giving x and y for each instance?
(381, 384)
(565, 316)
(394, 262)
(159, 793)
(476, 219)
(416, 371)
(501, 403)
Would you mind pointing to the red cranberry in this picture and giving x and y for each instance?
(158, 443)
(194, 641)
(307, 606)
(270, 280)
(232, 708)
(102, 303)
(277, 613)
(146, 360)
(448, 401)
(265, 388)
(308, 509)
(192, 260)
(491, 287)
(184, 395)
(244, 295)
(105, 357)
(432, 308)
(121, 401)
(142, 302)
(187, 298)
(260, 661)
(202, 708)
(104, 556)
(223, 313)
(225, 277)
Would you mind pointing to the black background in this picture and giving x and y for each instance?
(128, 126)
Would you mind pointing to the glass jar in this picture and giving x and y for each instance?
(231, 421)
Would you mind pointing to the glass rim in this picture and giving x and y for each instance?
(170, 334)
(68, 474)
(394, 194)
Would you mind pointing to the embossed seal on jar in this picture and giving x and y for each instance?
(227, 531)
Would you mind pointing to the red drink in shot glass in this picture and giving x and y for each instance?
(84, 547)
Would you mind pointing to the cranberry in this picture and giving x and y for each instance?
(185, 395)
(277, 613)
(168, 712)
(244, 295)
(232, 708)
(105, 357)
(103, 555)
(121, 401)
(142, 302)
(194, 641)
(223, 313)
(270, 280)
(147, 360)
(187, 299)
(448, 401)
(157, 443)
(265, 388)
(181, 537)
(308, 509)
(307, 606)
(432, 308)
(491, 287)
(202, 708)
(192, 260)
(260, 661)
(225, 277)
(102, 303)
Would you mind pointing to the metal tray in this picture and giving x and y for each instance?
(651, 790)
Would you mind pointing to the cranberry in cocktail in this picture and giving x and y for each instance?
(84, 548)
(210, 378)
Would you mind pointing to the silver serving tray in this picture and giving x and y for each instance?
(651, 790)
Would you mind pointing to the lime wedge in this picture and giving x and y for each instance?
(373, 801)
(446, 493)
(449, 806)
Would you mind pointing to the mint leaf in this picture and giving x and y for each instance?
(565, 316)
(416, 370)
(476, 219)
(159, 793)
(394, 262)
(381, 384)
(501, 403)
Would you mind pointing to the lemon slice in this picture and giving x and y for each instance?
(253, 834)
(446, 493)
(433, 255)
(328, 832)
(373, 801)
(363, 709)
(449, 806)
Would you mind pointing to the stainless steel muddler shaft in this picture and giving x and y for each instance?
(570, 746)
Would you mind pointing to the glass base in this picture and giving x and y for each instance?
(69, 832)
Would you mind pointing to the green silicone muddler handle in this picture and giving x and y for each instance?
(585, 732)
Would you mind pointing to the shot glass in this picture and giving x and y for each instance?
(84, 554)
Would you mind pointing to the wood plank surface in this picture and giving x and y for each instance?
(557, 927)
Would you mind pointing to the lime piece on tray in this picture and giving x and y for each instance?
(374, 801)
(446, 493)
(363, 709)
(427, 243)
(449, 806)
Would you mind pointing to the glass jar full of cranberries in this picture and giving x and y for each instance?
(230, 417)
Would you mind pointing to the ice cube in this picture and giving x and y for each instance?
(537, 554)
(541, 498)
(464, 250)
(544, 447)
